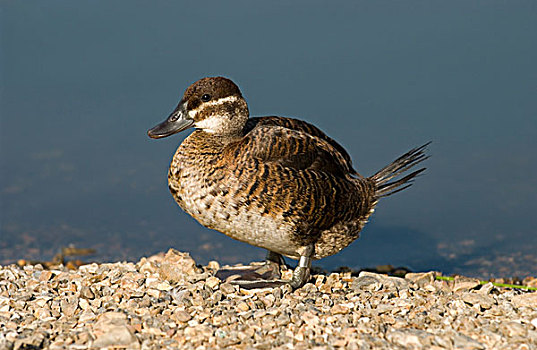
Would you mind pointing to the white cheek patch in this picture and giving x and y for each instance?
(211, 124)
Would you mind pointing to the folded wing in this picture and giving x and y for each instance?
(296, 144)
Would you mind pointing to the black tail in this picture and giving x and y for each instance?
(382, 178)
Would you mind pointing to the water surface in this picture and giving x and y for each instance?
(81, 82)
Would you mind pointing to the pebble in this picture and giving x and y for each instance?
(525, 300)
(409, 338)
(111, 330)
(534, 322)
(483, 301)
(182, 316)
(463, 284)
(421, 279)
(486, 288)
(167, 301)
(212, 282)
(227, 288)
(366, 281)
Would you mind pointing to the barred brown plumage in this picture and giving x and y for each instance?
(273, 182)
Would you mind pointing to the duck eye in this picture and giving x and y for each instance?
(206, 97)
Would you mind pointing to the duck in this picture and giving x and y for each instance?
(273, 182)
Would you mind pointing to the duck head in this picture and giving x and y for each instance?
(214, 105)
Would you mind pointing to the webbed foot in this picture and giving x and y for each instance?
(267, 270)
(255, 271)
(267, 274)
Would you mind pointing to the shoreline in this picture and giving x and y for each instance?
(167, 301)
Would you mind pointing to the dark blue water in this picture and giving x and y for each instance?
(81, 82)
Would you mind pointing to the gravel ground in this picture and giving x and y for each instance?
(166, 302)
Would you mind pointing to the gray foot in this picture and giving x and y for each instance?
(301, 275)
(267, 274)
(275, 257)
(259, 283)
(252, 272)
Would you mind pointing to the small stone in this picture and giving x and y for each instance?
(462, 341)
(42, 313)
(152, 282)
(367, 281)
(111, 330)
(213, 265)
(164, 286)
(395, 283)
(534, 322)
(310, 319)
(83, 304)
(176, 266)
(86, 316)
(242, 306)
(319, 280)
(116, 337)
(339, 309)
(530, 281)
(267, 300)
(283, 319)
(154, 293)
(299, 337)
(486, 288)
(421, 279)
(308, 288)
(408, 338)
(86, 293)
(277, 293)
(33, 341)
(182, 316)
(339, 343)
(212, 282)
(332, 282)
(82, 338)
(11, 336)
(89, 268)
(41, 302)
(463, 284)
(181, 296)
(484, 301)
(525, 300)
(137, 327)
(227, 288)
(69, 304)
(45, 276)
(513, 329)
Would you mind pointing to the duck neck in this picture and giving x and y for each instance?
(206, 142)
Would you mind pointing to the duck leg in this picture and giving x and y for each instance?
(274, 258)
(267, 275)
(301, 274)
(256, 271)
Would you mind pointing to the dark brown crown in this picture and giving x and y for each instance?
(215, 87)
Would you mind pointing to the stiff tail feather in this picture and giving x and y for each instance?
(386, 187)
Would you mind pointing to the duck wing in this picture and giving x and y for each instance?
(291, 148)
(301, 126)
